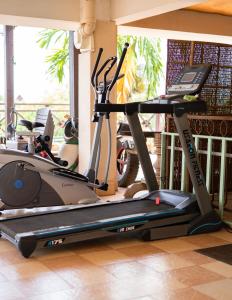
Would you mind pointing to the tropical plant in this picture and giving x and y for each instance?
(58, 41)
(142, 68)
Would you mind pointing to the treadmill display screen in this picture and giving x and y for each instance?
(188, 77)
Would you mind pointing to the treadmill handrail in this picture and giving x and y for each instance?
(178, 108)
(115, 107)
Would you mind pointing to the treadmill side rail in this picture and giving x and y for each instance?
(149, 228)
(28, 242)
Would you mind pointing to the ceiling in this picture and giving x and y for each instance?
(223, 7)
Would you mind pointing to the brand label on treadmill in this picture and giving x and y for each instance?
(193, 157)
(125, 229)
(53, 243)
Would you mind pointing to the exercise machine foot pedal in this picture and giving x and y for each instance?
(69, 174)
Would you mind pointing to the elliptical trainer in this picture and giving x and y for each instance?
(30, 181)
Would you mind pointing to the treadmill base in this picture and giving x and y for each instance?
(153, 230)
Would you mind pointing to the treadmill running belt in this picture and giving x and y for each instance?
(80, 216)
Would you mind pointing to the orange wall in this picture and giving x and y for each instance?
(189, 21)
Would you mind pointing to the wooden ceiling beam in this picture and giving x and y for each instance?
(223, 7)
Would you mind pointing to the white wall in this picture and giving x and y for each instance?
(45, 13)
(124, 11)
(65, 14)
(50, 9)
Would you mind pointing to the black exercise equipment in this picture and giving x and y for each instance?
(161, 214)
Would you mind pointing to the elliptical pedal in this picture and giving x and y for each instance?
(69, 174)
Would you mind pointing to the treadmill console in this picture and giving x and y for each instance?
(190, 80)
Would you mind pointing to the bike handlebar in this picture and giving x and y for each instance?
(44, 147)
(61, 162)
(43, 138)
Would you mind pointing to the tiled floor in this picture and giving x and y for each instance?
(118, 269)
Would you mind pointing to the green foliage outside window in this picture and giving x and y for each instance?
(142, 67)
(58, 41)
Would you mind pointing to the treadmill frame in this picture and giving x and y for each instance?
(189, 149)
(177, 220)
(171, 222)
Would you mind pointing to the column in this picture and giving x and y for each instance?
(105, 36)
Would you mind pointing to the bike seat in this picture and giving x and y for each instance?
(30, 125)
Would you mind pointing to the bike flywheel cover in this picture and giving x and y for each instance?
(19, 186)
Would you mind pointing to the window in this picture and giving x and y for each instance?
(33, 86)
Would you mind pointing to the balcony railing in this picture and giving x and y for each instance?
(215, 158)
(28, 111)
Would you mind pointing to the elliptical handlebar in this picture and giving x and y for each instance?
(96, 66)
(101, 69)
(119, 67)
(96, 72)
(107, 72)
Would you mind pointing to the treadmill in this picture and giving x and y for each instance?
(160, 214)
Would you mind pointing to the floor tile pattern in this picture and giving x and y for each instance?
(221, 253)
(118, 269)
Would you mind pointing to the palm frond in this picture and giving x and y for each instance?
(143, 50)
(57, 41)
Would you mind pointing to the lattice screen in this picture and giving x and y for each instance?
(217, 91)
